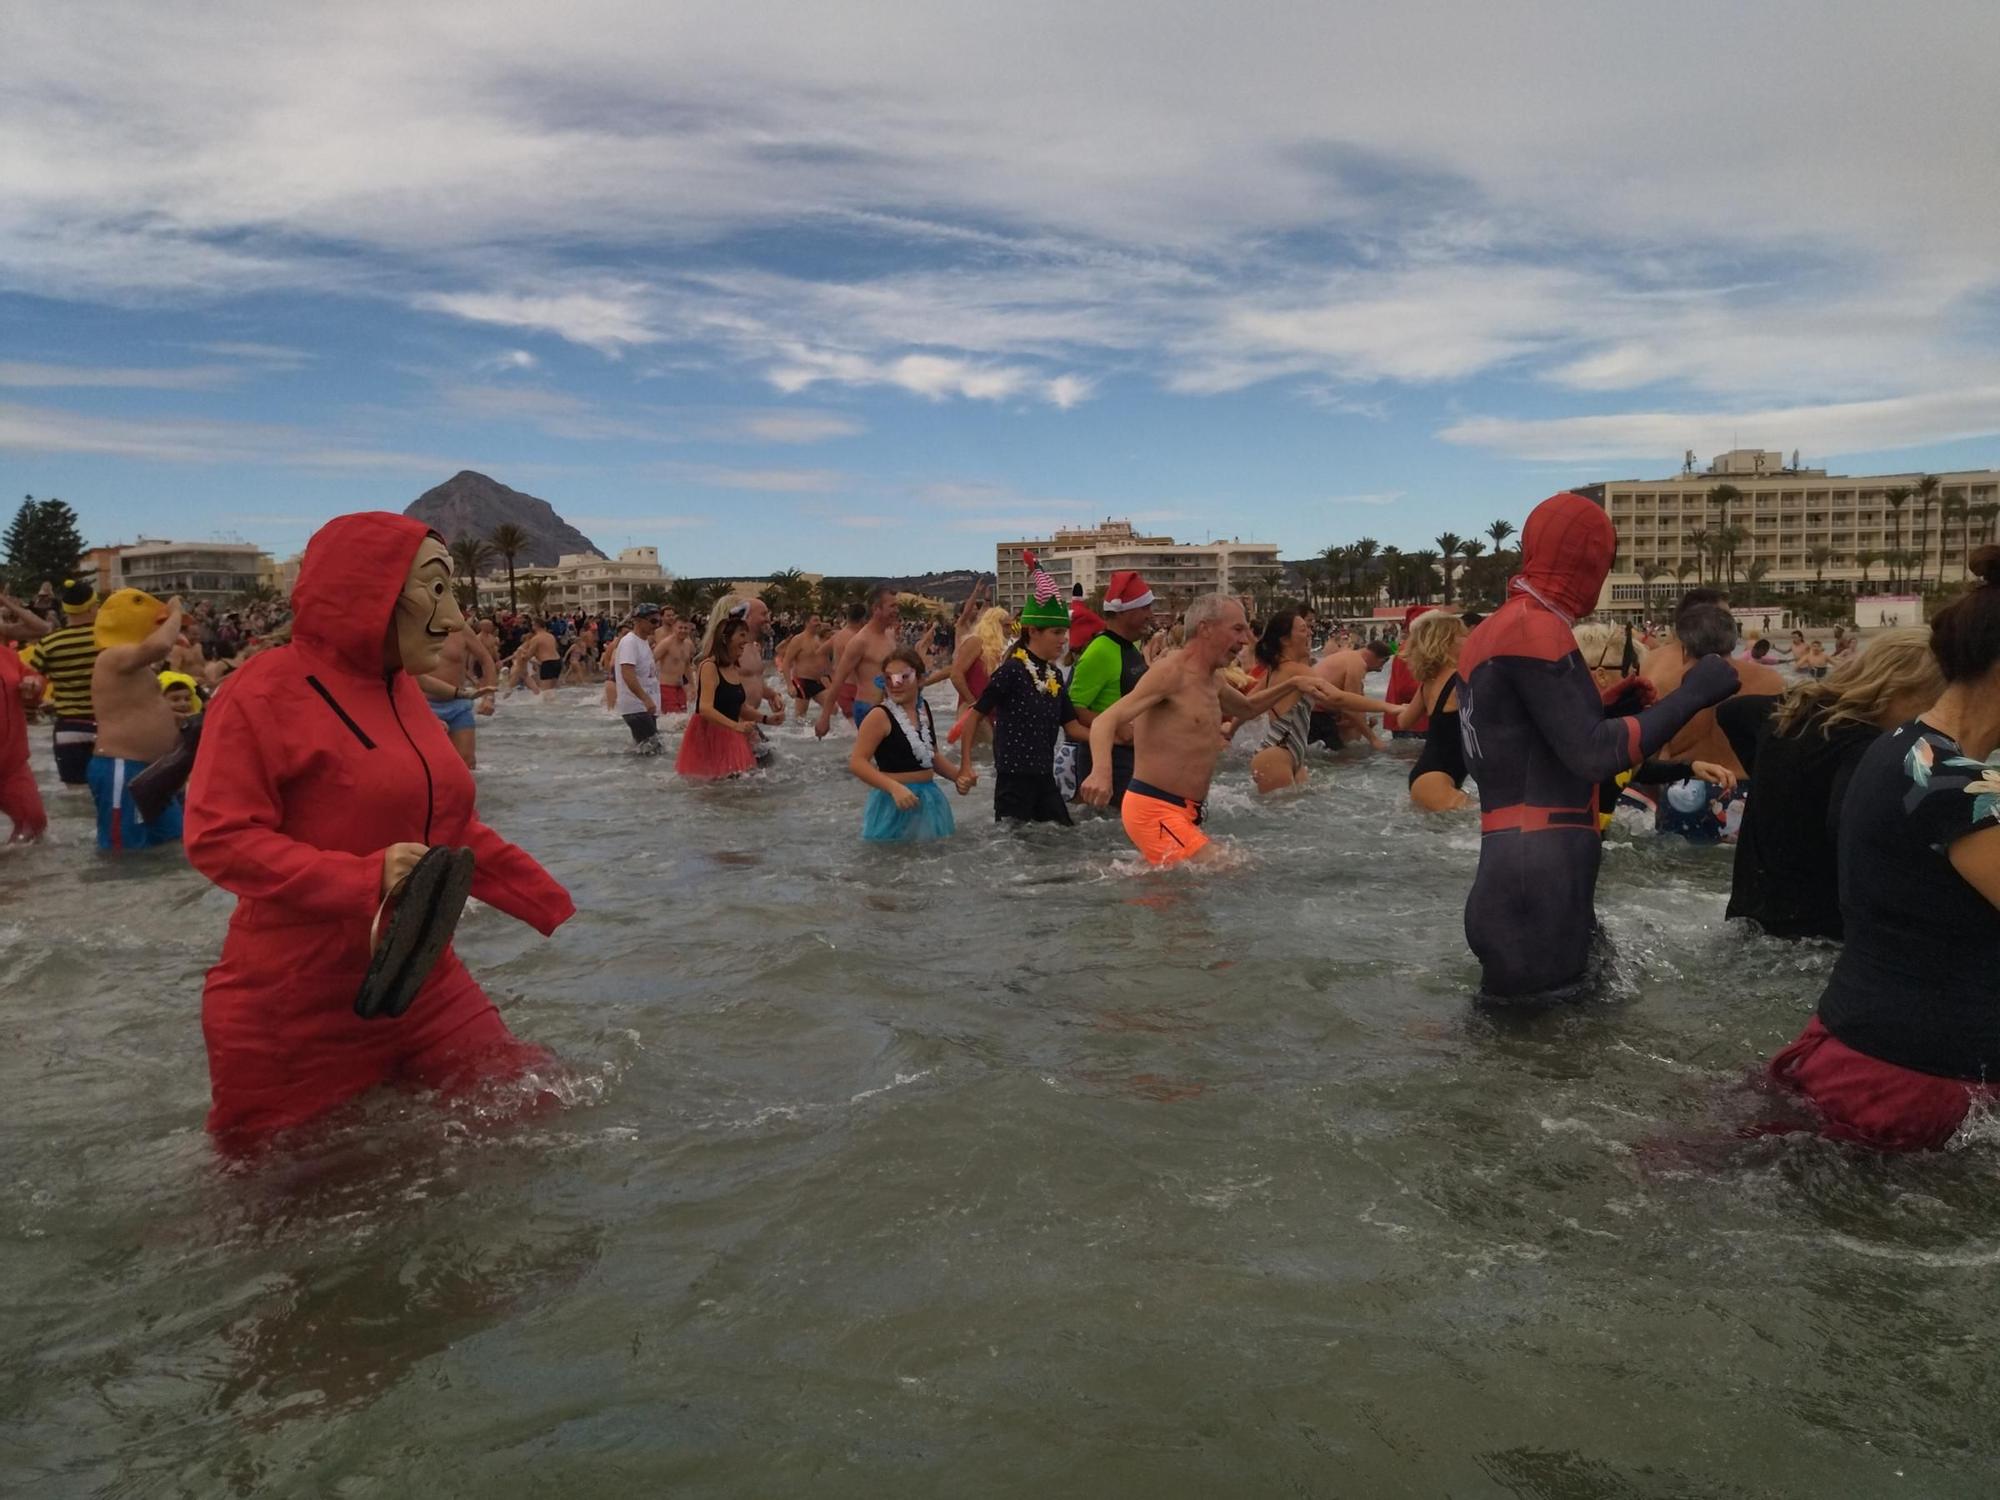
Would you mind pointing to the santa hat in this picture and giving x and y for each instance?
(1085, 624)
(1128, 591)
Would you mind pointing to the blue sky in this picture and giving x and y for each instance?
(865, 289)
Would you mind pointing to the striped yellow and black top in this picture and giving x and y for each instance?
(65, 657)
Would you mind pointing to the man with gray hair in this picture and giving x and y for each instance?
(1703, 625)
(1176, 716)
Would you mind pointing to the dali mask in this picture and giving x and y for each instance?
(427, 610)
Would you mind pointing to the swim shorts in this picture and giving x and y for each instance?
(551, 670)
(76, 743)
(808, 687)
(858, 711)
(119, 825)
(673, 700)
(1163, 827)
(454, 713)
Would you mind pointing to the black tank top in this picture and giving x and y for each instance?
(727, 699)
(894, 754)
(1443, 750)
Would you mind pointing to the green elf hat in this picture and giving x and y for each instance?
(1045, 614)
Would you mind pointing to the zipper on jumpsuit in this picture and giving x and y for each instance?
(430, 788)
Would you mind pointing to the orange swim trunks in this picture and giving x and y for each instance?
(1164, 827)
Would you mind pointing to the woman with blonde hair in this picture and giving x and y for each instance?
(1786, 878)
(978, 656)
(1430, 654)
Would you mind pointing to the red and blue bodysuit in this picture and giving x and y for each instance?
(1537, 741)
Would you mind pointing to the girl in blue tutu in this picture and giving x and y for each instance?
(896, 752)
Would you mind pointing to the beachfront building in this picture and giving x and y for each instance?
(1802, 528)
(1176, 571)
(584, 581)
(218, 573)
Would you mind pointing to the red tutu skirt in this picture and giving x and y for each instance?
(710, 752)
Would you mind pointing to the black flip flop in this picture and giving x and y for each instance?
(429, 902)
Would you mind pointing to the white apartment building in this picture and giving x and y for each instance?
(220, 573)
(1178, 571)
(1788, 514)
(585, 581)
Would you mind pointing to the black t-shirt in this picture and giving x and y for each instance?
(1786, 876)
(1741, 720)
(1916, 983)
(1029, 703)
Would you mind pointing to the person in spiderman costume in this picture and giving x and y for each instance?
(1538, 742)
(321, 781)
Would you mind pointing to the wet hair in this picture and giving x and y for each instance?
(1761, 650)
(1271, 644)
(722, 637)
(1376, 646)
(1965, 634)
(1705, 630)
(856, 613)
(1695, 598)
(1208, 607)
(1432, 643)
(1862, 689)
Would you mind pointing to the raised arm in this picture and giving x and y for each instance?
(154, 648)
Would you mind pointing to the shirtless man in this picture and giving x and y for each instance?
(1345, 669)
(1176, 716)
(673, 649)
(1664, 666)
(860, 662)
(539, 660)
(455, 692)
(857, 616)
(807, 662)
(135, 724)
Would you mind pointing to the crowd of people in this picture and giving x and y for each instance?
(1874, 822)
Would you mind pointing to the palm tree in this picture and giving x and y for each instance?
(1755, 575)
(1732, 538)
(794, 592)
(534, 593)
(1395, 568)
(1684, 567)
(510, 541)
(1448, 545)
(1722, 496)
(468, 555)
(1952, 509)
(1718, 549)
(1471, 551)
(1819, 557)
(1867, 560)
(1988, 513)
(1335, 557)
(1649, 572)
(1696, 541)
(717, 592)
(1423, 573)
(685, 596)
(1363, 554)
(1499, 531)
(1895, 497)
(1929, 487)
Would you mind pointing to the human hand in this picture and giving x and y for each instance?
(821, 725)
(1715, 775)
(485, 708)
(967, 780)
(903, 797)
(1096, 788)
(747, 728)
(397, 862)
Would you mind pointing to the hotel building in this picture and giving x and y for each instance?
(218, 573)
(1787, 513)
(1176, 571)
(585, 581)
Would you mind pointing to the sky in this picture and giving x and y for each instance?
(867, 288)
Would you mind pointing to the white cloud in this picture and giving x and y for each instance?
(39, 429)
(789, 426)
(1659, 436)
(770, 481)
(273, 356)
(1371, 497)
(607, 321)
(509, 359)
(23, 375)
(557, 413)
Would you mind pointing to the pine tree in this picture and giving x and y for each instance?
(43, 545)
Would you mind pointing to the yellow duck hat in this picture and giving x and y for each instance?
(127, 618)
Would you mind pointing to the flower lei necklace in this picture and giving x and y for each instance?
(922, 737)
(1051, 684)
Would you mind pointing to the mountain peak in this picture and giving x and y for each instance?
(474, 504)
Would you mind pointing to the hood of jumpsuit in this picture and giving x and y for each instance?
(344, 604)
(1566, 552)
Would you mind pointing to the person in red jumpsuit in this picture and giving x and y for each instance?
(20, 798)
(322, 776)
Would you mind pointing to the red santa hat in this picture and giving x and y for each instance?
(1128, 591)
(1085, 624)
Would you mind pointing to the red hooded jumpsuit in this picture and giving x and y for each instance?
(20, 799)
(313, 761)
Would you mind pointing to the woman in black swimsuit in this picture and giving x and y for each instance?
(1431, 652)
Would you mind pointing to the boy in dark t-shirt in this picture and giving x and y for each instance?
(1029, 704)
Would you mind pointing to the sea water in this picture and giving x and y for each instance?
(994, 1167)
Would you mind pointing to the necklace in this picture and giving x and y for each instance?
(1050, 684)
(922, 737)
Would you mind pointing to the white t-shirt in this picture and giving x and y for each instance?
(638, 655)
